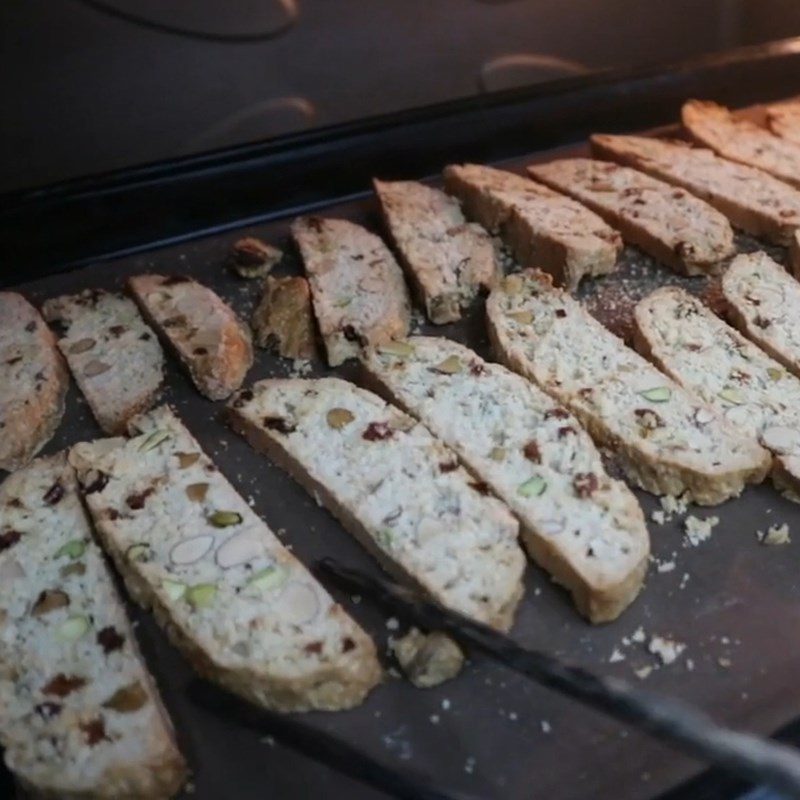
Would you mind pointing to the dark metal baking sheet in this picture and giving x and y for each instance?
(734, 603)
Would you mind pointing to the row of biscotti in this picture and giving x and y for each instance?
(113, 355)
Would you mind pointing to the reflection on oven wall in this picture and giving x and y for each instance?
(94, 85)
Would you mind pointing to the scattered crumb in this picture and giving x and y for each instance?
(638, 635)
(725, 663)
(698, 530)
(684, 580)
(355, 598)
(546, 726)
(435, 719)
(668, 650)
(658, 516)
(673, 505)
(512, 715)
(300, 368)
(643, 672)
(445, 705)
(689, 664)
(537, 591)
(469, 765)
(665, 566)
(775, 535)
(616, 655)
(267, 740)
(392, 623)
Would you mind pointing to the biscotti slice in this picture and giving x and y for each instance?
(396, 488)
(241, 607)
(542, 228)
(754, 393)
(80, 716)
(763, 302)
(283, 320)
(447, 259)
(742, 140)
(358, 291)
(584, 528)
(750, 198)
(33, 382)
(673, 226)
(667, 440)
(211, 342)
(784, 120)
(115, 358)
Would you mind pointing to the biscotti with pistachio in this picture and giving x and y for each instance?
(580, 525)
(80, 716)
(113, 355)
(670, 224)
(753, 392)
(242, 608)
(399, 491)
(542, 228)
(447, 259)
(33, 382)
(357, 287)
(666, 439)
(211, 342)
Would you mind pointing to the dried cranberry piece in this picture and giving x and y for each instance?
(9, 539)
(110, 639)
(54, 493)
(377, 431)
(585, 484)
(62, 685)
(278, 424)
(532, 453)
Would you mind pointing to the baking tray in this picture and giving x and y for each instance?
(489, 733)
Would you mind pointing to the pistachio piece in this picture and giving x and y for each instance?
(196, 492)
(189, 551)
(781, 440)
(49, 600)
(82, 345)
(450, 366)
(522, 317)
(224, 519)
(239, 549)
(73, 628)
(299, 603)
(395, 348)
(533, 487)
(512, 284)
(731, 395)
(138, 552)
(339, 417)
(75, 548)
(342, 302)
(153, 440)
(201, 595)
(269, 578)
(127, 698)
(385, 538)
(187, 459)
(658, 394)
(775, 374)
(174, 589)
(95, 368)
(497, 454)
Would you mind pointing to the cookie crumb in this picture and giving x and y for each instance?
(616, 655)
(667, 650)
(774, 535)
(698, 530)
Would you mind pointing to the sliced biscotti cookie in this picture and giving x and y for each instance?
(211, 342)
(750, 198)
(673, 226)
(242, 608)
(395, 487)
(115, 358)
(33, 382)
(784, 120)
(763, 302)
(742, 140)
(753, 392)
(667, 440)
(357, 287)
(283, 319)
(80, 716)
(542, 228)
(447, 259)
(584, 528)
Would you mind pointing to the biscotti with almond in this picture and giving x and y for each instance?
(542, 228)
(741, 140)
(580, 525)
(752, 391)
(241, 607)
(763, 302)
(113, 355)
(203, 331)
(671, 225)
(357, 288)
(666, 439)
(80, 716)
(750, 198)
(399, 491)
(447, 259)
(784, 120)
(33, 382)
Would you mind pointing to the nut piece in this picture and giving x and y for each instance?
(395, 348)
(252, 258)
(299, 603)
(202, 595)
(497, 454)
(127, 699)
(49, 600)
(95, 367)
(533, 487)
(197, 492)
(73, 549)
(522, 317)
(174, 589)
(82, 345)
(239, 549)
(427, 660)
(733, 396)
(450, 366)
(73, 628)
(189, 551)
(283, 320)
(187, 459)
(775, 374)
(139, 552)
(781, 440)
(224, 519)
(153, 440)
(268, 579)
(339, 417)
(658, 394)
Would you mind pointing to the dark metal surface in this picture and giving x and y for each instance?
(734, 603)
